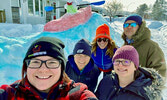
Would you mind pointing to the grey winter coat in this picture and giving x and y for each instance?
(148, 86)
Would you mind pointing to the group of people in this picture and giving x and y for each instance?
(135, 71)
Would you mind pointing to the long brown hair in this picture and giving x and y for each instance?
(136, 73)
(110, 47)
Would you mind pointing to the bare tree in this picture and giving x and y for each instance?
(112, 7)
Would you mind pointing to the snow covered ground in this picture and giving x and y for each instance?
(16, 38)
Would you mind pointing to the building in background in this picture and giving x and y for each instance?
(33, 12)
(29, 11)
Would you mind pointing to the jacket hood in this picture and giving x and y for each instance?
(86, 69)
(148, 85)
(142, 34)
(154, 91)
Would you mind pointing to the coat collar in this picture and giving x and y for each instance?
(148, 85)
(87, 68)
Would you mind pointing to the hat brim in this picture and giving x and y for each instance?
(103, 37)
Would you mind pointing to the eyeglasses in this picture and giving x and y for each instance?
(125, 25)
(37, 63)
(102, 39)
(124, 62)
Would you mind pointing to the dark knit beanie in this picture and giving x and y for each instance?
(47, 46)
(83, 46)
(135, 17)
(127, 52)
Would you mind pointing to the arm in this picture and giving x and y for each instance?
(80, 92)
(88, 95)
(156, 60)
(105, 88)
(5, 93)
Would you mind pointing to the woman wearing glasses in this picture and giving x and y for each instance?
(129, 81)
(103, 48)
(43, 76)
(139, 36)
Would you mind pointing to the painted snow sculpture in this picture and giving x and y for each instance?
(71, 6)
(68, 21)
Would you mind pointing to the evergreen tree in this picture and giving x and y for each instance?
(159, 10)
(142, 10)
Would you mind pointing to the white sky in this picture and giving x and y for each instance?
(130, 5)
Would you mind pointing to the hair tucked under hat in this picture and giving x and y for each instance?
(83, 46)
(103, 31)
(127, 52)
(135, 17)
(47, 46)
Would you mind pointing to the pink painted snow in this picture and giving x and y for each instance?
(68, 21)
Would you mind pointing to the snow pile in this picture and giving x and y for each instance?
(16, 38)
(19, 30)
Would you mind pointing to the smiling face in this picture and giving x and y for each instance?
(81, 60)
(102, 44)
(43, 78)
(129, 31)
(124, 71)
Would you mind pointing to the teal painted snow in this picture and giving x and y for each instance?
(14, 42)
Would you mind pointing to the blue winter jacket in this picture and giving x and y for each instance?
(148, 86)
(89, 74)
(102, 60)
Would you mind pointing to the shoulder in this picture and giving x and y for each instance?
(12, 86)
(107, 81)
(152, 74)
(106, 88)
(68, 65)
(3, 92)
(7, 91)
(81, 92)
(152, 48)
(154, 90)
(149, 45)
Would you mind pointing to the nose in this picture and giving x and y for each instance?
(81, 58)
(120, 64)
(43, 66)
(102, 41)
(129, 26)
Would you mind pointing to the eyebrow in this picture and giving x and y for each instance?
(44, 60)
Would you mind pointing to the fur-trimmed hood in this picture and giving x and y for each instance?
(148, 85)
(153, 91)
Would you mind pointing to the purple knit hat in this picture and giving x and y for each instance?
(127, 52)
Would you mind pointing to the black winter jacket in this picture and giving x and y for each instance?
(89, 75)
(148, 86)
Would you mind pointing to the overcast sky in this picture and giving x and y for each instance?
(130, 5)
